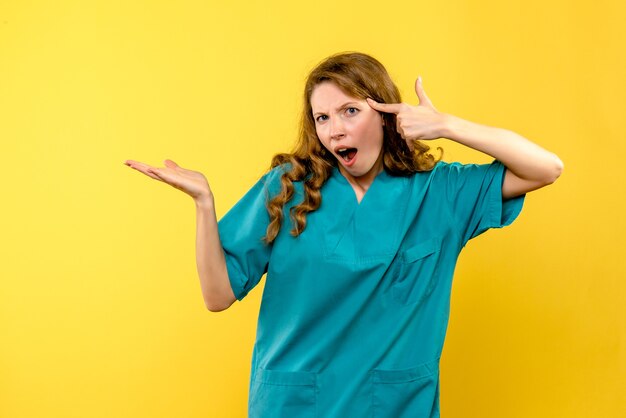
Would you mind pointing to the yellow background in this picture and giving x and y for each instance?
(101, 313)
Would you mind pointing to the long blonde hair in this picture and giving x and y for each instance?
(360, 76)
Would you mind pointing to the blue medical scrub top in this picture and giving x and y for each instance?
(355, 309)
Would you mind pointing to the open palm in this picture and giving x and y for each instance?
(191, 182)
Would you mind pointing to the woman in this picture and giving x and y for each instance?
(358, 230)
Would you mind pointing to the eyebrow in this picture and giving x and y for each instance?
(340, 107)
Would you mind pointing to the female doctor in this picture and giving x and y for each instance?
(358, 231)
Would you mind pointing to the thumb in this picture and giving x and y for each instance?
(384, 107)
(421, 94)
(170, 164)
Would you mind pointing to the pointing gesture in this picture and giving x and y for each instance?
(414, 122)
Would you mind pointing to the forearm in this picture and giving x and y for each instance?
(210, 259)
(524, 158)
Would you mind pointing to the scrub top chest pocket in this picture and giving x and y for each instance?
(417, 271)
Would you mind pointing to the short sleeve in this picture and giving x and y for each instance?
(241, 231)
(474, 194)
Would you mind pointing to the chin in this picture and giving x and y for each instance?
(357, 172)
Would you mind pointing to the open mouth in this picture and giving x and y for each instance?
(348, 154)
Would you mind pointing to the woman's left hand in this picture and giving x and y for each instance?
(415, 122)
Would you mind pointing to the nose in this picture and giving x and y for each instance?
(336, 128)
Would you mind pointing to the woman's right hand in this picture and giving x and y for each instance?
(191, 182)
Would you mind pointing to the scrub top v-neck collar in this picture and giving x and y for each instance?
(364, 232)
(342, 179)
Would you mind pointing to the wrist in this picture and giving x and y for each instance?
(204, 202)
(449, 126)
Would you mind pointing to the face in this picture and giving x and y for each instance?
(342, 121)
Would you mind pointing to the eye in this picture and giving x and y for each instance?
(321, 116)
(352, 110)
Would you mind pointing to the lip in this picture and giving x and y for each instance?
(351, 163)
(338, 147)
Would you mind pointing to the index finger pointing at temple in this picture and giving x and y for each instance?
(384, 107)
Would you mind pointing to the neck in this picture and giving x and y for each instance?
(363, 182)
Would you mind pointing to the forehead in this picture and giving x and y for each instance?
(328, 95)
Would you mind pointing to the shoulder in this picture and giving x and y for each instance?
(445, 167)
(271, 179)
(455, 168)
(275, 173)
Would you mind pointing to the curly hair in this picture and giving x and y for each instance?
(360, 76)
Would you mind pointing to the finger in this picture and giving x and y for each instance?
(156, 173)
(144, 168)
(137, 165)
(384, 107)
(149, 172)
(170, 164)
(134, 164)
(167, 176)
(153, 175)
(421, 94)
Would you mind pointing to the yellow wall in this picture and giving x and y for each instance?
(101, 313)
